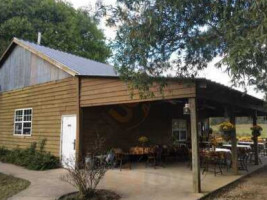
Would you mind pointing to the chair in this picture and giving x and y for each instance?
(166, 153)
(213, 160)
(155, 156)
(243, 157)
(252, 156)
(263, 151)
(122, 158)
(151, 157)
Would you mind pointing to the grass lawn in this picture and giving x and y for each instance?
(10, 185)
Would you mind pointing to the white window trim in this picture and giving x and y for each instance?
(175, 129)
(14, 127)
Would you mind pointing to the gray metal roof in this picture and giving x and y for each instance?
(83, 66)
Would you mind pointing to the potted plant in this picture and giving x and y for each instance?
(143, 140)
(227, 129)
(256, 130)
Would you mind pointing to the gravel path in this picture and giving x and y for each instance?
(252, 187)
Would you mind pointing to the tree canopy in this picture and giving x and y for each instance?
(62, 27)
(155, 36)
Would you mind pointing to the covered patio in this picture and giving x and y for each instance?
(180, 113)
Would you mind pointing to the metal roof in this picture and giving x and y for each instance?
(83, 66)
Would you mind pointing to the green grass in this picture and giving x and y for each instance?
(244, 129)
(10, 186)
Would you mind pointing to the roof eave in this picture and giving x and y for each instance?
(6, 52)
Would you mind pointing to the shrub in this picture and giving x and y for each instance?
(30, 158)
(85, 176)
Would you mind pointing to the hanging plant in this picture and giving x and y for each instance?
(227, 130)
(256, 130)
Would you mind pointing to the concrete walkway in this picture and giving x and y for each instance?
(170, 183)
(45, 185)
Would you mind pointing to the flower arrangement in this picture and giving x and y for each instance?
(143, 140)
(256, 130)
(226, 128)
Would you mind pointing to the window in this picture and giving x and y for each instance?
(179, 129)
(23, 121)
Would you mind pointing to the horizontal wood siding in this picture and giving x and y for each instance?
(49, 102)
(107, 91)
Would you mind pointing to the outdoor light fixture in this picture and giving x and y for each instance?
(186, 109)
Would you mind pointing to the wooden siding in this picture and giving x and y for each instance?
(108, 91)
(23, 68)
(49, 102)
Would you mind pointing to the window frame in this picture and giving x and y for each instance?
(22, 122)
(180, 129)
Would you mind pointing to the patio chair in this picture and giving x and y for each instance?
(182, 153)
(213, 161)
(263, 151)
(252, 156)
(243, 157)
(155, 157)
(122, 158)
(166, 154)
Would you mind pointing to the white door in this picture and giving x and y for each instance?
(68, 139)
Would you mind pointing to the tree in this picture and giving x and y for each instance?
(157, 35)
(62, 27)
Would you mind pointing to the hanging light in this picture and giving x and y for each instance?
(186, 109)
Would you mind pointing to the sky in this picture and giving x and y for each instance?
(210, 72)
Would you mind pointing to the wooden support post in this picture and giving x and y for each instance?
(255, 140)
(195, 146)
(78, 123)
(234, 146)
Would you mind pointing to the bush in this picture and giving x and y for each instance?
(88, 174)
(30, 158)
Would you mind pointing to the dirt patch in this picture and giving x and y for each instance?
(253, 187)
(100, 195)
